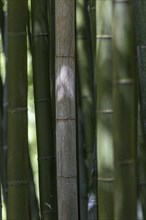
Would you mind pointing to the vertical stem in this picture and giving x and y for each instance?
(140, 10)
(43, 111)
(124, 111)
(1, 143)
(51, 12)
(65, 110)
(141, 152)
(17, 111)
(104, 69)
(83, 98)
(1, 110)
(92, 13)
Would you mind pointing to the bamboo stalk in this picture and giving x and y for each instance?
(1, 143)
(91, 38)
(124, 111)
(1, 111)
(51, 17)
(104, 72)
(43, 111)
(141, 152)
(92, 13)
(82, 169)
(83, 96)
(140, 9)
(5, 136)
(3, 26)
(17, 111)
(65, 110)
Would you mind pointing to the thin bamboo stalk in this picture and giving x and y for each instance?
(124, 111)
(141, 152)
(91, 24)
(43, 111)
(1, 142)
(83, 96)
(17, 111)
(65, 110)
(1, 112)
(140, 9)
(104, 72)
(92, 13)
(51, 18)
(4, 120)
(5, 139)
(82, 169)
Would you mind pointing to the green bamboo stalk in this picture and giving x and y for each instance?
(124, 111)
(140, 9)
(5, 138)
(1, 111)
(141, 152)
(44, 126)
(104, 70)
(1, 143)
(92, 13)
(82, 97)
(51, 18)
(17, 111)
(65, 110)
(4, 123)
(82, 169)
(85, 75)
(91, 38)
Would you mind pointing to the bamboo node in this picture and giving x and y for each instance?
(17, 110)
(65, 119)
(17, 182)
(41, 100)
(105, 111)
(39, 34)
(126, 162)
(121, 1)
(65, 56)
(103, 179)
(66, 177)
(104, 37)
(123, 81)
(46, 158)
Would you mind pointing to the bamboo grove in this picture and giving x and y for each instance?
(85, 61)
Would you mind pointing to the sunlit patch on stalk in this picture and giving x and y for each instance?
(64, 83)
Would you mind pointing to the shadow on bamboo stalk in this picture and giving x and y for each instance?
(17, 111)
(125, 111)
(141, 152)
(43, 111)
